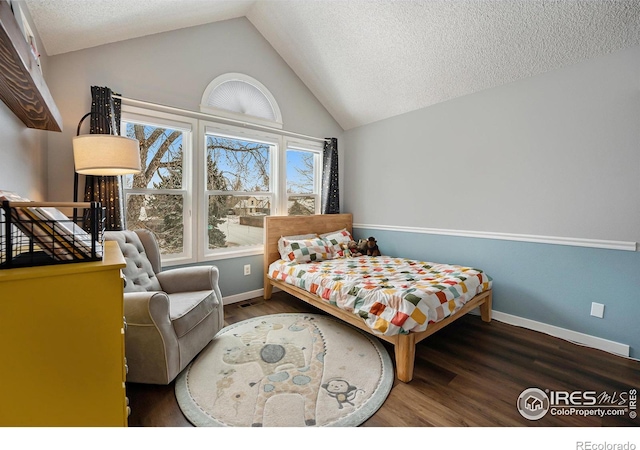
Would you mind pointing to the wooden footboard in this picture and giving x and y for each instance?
(404, 344)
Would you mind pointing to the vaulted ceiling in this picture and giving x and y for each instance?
(367, 60)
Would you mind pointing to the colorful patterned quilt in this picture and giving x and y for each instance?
(392, 295)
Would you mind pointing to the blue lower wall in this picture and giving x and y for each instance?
(232, 279)
(553, 284)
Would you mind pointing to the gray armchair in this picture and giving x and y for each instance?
(171, 316)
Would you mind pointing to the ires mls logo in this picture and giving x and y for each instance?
(534, 403)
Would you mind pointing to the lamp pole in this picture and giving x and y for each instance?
(75, 174)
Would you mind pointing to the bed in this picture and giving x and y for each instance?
(333, 297)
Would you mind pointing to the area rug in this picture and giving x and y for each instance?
(286, 370)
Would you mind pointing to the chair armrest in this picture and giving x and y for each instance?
(147, 308)
(151, 344)
(187, 279)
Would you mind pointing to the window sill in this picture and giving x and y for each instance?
(220, 255)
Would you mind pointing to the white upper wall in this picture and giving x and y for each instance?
(23, 157)
(23, 151)
(174, 69)
(557, 155)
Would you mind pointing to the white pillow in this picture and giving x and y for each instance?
(335, 239)
(304, 250)
(296, 237)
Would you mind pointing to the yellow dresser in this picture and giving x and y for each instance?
(62, 344)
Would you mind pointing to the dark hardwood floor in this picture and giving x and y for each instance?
(468, 374)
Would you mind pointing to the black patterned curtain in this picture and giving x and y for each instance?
(105, 118)
(330, 189)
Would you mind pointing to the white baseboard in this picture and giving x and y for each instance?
(562, 333)
(228, 300)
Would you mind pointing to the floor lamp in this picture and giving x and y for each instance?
(103, 154)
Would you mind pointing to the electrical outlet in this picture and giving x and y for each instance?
(597, 310)
(247, 269)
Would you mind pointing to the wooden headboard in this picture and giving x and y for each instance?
(277, 226)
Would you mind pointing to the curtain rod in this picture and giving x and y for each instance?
(133, 101)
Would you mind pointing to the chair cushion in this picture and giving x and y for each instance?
(188, 309)
(138, 274)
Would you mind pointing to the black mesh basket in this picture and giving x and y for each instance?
(37, 233)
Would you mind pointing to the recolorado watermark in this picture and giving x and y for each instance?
(588, 445)
(534, 404)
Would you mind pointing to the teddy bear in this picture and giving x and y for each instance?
(362, 246)
(353, 248)
(350, 249)
(372, 247)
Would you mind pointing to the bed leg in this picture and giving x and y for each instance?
(405, 350)
(268, 290)
(485, 308)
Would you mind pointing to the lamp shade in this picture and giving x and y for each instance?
(106, 154)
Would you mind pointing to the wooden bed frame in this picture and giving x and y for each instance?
(404, 344)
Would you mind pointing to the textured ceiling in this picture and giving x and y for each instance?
(67, 25)
(368, 60)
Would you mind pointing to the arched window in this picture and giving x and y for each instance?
(236, 96)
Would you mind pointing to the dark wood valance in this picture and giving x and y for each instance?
(22, 85)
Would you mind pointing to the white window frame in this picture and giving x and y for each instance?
(189, 127)
(230, 131)
(194, 177)
(305, 146)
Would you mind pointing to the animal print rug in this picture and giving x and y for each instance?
(286, 370)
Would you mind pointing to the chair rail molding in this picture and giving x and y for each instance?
(575, 242)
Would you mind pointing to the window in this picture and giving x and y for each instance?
(239, 188)
(206, 186)
(159, 198)
(236, 95)
(302, 181)
(243, 185)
